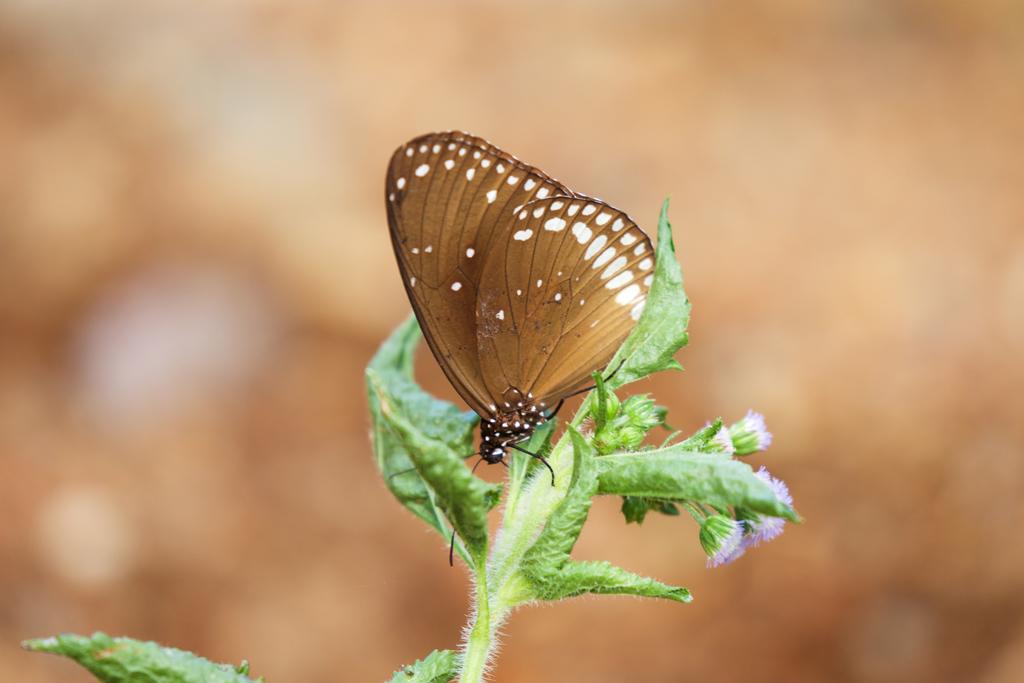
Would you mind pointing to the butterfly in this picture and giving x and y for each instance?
(522, 287)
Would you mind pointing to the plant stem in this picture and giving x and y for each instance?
(499, 585)
(477, 647)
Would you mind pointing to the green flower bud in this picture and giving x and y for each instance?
(721, 538)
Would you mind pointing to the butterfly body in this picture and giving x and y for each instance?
(521, 286)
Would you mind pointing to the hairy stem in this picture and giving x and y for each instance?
(479, 633)
(500, 586)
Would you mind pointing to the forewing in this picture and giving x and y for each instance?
(567, 280)
(447, 193)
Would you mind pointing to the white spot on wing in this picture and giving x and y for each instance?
(422, 170)
(469, 173)
(412, 281)
(470, 252)
(449, 164)
(555, 224)
(582, 232)
(605, 257)
(485, 163)
(523, 235)
(558, 296)
(573, 209)
(627, 295)
(542, 193)
(429, 248)
(628, 239)
(456, 286)
(528, 185)
(589, 209)
(646, 264)
(621, 279)
(619, 224)
(408, 152)
(491, 196)
(640, 248)
(538, 212)
(423, 149)
(540, 282)
(500, 168)
(648, 280)
(595, 246)
(435, 149)
(637, 310)
(615, 267)
(603, 218)
(400, 183)
(555, 206)
(512, 180)
(500, 315)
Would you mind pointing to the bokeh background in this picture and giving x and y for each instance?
(195, 268)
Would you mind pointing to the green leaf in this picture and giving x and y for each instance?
(440, 666)
(546, 565)
(419, 443)
(117, 660)
(676, 474)
(661, 330)
(551, 549)
(635, 509)
(577, 578)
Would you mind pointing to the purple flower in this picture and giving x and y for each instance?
(750, 434)
(721, 538)
(722, 441)
(763, 527)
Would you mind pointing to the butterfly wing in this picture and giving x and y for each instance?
(567, 280)
(447, 194)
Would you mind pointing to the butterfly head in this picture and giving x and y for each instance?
(500, 431)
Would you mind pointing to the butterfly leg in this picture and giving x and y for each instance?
(451, 551)
(539, 457)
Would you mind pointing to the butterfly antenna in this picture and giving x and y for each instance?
(540, 457)
(476, 465)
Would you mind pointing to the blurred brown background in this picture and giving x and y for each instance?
(195, 268)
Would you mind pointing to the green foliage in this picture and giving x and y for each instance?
(123, 660)
(661, 330)
(440, 666)
(635, 508)
(546, 565)
(676, 474)
(420, 443)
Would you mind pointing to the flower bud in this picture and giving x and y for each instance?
(750, 434)
(721, 538)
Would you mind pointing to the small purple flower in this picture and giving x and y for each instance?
(750, 434)
(721, 538)
(762, 527)
(722, 440)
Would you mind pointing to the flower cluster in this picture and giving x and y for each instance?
(624, 425)
(723, 536)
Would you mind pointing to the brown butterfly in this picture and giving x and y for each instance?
(522, 287)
